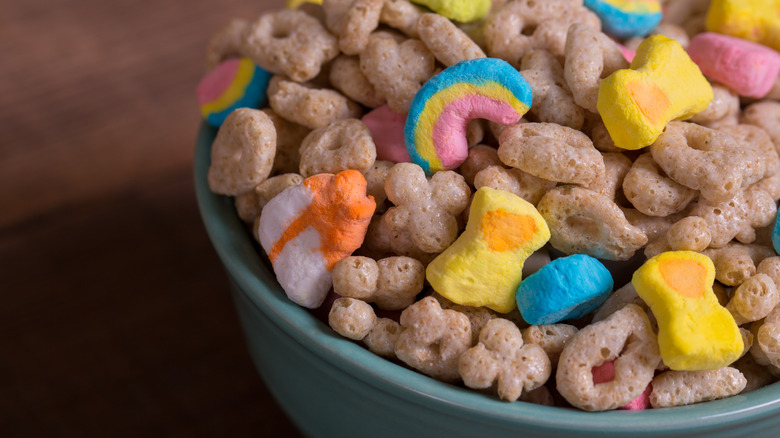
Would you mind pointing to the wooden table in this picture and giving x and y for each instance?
(116, 319)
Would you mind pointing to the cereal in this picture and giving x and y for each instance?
(625, 337)
(662, 84)
(552, 99)
(690, 233)
(435, 131)
(616, 167)
(392, 283)
(501, 357)
(503, 230)
(551, 152)
(351, 318)
(289, 42)
(626, 19)
(480, 157)
(225, 43)
(764, 114)
(310, 107)
(585, 222)
(478, 316)
(737, 218)
(401, 15)
(382, 337)
(515, 181)
(566, 288)
(289, 137)
(680, 388)
(736, 262)
(606, 373)
(344, 144)
(619, 299)
(448, 44)
(748, 68)
(433, 339)
(308, 228)
(375, 183)
(753, 299)
(397, 70)
(425, 208)
(590, 56)
(754, 20)
(551, 337)
(652, 192)
(250, 204)
(722, 111)
(242, 153)
(236, 83)
(694, 331)
(524, 25)
(346, 76)
(706, 160)
(360, 20)
(757, 376)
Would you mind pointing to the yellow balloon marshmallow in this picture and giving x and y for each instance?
(753, 20)
(459, 10)
(694, 331)
(662, 85)
(483, 267)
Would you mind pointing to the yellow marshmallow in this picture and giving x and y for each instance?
(662, 85)
(458, 10)
(694, 331)
(753, 20)
(483, 267)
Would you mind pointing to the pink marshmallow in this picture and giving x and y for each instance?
(628, 54)
(748, 68)
(387, 129)
(606, 373)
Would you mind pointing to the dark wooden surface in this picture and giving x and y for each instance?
(115, 317)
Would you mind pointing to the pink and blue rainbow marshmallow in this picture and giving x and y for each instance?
(236, 83)
(627, 18)
(435, 130)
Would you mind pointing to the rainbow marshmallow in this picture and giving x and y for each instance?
(435, 131)
(627, 18)
(236, 83)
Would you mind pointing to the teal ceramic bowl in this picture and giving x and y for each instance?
(332, 387)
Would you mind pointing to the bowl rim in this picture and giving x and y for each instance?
(239, 256)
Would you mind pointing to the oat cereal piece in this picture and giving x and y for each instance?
(426, 208)
(478, 316)
(590, 56)
(552, 99)
(680, 388)
(652, 192)
(770, 185)
(289, 42)
(625, 337)
(475, 132)
(351, 318)
(401, 15)
(747, 339)
(384, 239)
(336, 14)
(250, 204)
(360, 20)
(706, 160)
(736, 262)
(681, 11)
(551, 152)
(653, 226)
(341, 145)
(759, 141)
(690, 233)
(582, 221)
(673, 31)
(480, 157)
(289, 137)
(448, 44)
(225, 43)
(382, 337)
(753, 299)
(242, 153)
(768, 338)
(771, 267)
(375, 178)
(601, 139)
(757, 376)
(617, 166)
(392, 283)
(620, 298)
(551, 337)
(346, 76)
(522, 184)
(737, 218)
(310, 107)
(247, 207)
(433, 339)
(397, 70)
(722, 111)
(524, 25)
(764, 114)
(501, 357)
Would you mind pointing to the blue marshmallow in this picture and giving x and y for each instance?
(626, 19)
(776, 234)
(566, 288)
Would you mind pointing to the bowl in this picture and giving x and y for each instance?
(333, 387)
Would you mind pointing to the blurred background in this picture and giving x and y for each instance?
(115, 317)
